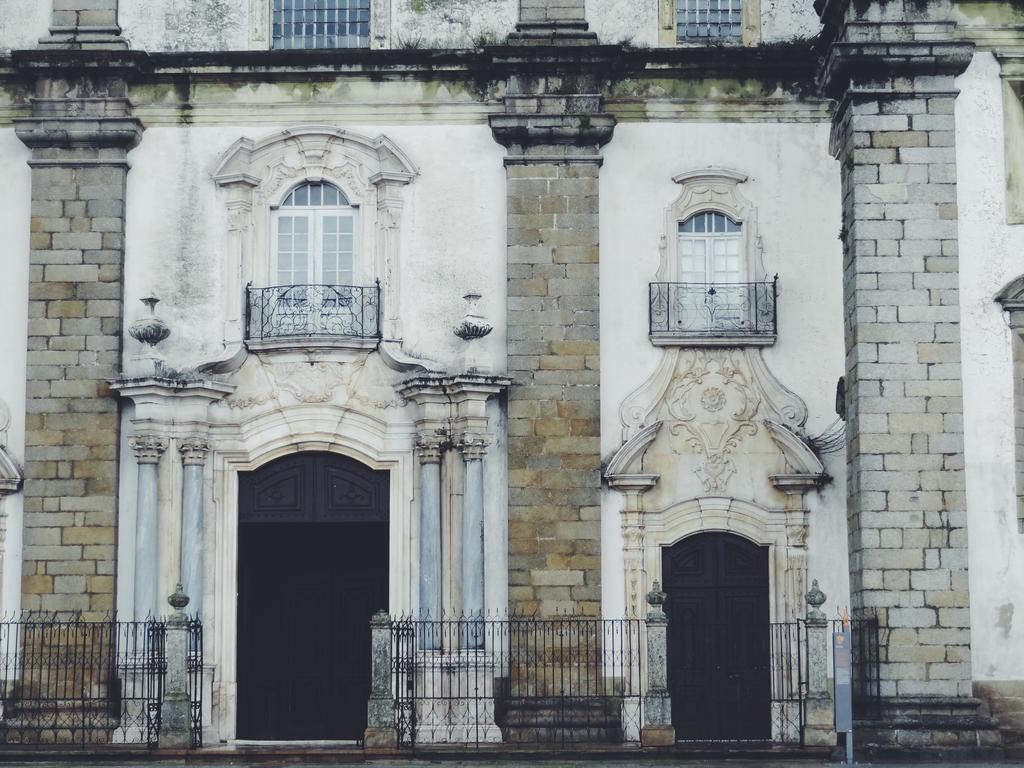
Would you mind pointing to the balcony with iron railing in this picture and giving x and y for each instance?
(713, 314)
(334, 316)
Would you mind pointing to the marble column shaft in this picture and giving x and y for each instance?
(193, 455)
(148, 449)
(430, 539)
(473, 449)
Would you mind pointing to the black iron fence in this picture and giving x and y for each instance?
(195, 679)
(77, 682)
(789, 674)
(865, 659)
(304, 311)
(712, 310)
(526, 680)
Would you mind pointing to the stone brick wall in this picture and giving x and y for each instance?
(554, 403)
(907, 510)
(85, 13)
(72, 422)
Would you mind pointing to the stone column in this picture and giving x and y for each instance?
(555, 22)
(193, 456)
(473, 448)
(148, 450)
(819, 722)
(428, 448)
(657, 730)
(553, 130)
(894, 136)
(176, 709)
(80, 132)
(381, 736)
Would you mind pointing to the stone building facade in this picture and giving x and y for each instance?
(534, 303)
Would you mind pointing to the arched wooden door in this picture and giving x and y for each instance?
(718, 638)
(312, 569)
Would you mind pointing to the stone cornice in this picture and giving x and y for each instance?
(886, 61)
(782, 63)
(86, 132)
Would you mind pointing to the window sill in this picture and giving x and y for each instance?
(291, 343)
(698, 340)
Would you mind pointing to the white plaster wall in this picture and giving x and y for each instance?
(15, 194)
(23, 22)
(788, 19)
(451, 23)
(210, 25)
(186, 25)
(991, 254)
(453, 237)
(794, 184)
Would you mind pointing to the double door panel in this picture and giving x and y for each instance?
(719, 643)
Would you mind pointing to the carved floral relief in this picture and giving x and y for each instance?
(712, 403)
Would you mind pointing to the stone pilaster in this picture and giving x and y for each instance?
(80, 133)
(893, 134)
(553, 132)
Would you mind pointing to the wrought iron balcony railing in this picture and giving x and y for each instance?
(709, 313)
(299, 312)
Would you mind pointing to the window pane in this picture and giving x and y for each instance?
(316, 194)
(321, 23)
(293, 255)
(337, 254)
(697, 19)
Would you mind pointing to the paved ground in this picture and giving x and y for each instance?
(568, 762)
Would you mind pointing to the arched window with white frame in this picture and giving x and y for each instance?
(709, 249)
(314, 241)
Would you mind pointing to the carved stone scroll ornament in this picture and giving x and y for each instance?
(712, 401)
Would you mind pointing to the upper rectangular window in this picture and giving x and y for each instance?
(321, 24)
(698, 20)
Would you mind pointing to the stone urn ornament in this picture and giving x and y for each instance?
(473, 327)
(150, 331)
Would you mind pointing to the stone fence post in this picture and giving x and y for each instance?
(819, 727)
(176, 708)
(381, 736)
(657, 729)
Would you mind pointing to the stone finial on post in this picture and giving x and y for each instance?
(819, 728)
(381, 736)
(176, 708)
(657, 730)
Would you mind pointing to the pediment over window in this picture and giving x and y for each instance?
(11, 475)
(314, 152)
(1012, 299)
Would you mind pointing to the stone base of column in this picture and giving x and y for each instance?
(819, 722)
(380, 741)
(657, 736)
(950, 729)
(552, 33)
(175, 722)
(85, 38)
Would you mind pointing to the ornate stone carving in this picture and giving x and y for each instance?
(148, 448)
(149, 330)
(473, 325)
(430, 446)
(193, 450)
(713, 380)
(815, 599)
(473, 445)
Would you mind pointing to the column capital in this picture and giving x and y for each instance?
(193, 450)
(473, 445)
(429, 446)
(148, 448)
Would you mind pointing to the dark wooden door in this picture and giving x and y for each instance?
(718, 638)
(312, 570)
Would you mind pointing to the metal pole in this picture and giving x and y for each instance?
(849, 747)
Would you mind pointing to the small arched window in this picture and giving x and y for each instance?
(710, 249)
(314, 237)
